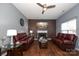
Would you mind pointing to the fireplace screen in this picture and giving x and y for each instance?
(42, 33)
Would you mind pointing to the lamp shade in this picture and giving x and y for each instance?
(11, 32)
(31, 31)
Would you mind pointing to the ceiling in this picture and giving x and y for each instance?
(33, 11)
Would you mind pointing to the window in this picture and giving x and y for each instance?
(69, 27)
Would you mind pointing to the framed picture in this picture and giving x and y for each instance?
(42, 25)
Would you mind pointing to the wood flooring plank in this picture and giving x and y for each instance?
(52, 50)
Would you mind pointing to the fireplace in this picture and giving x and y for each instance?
(42, 33)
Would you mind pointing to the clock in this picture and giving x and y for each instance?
(22, 22)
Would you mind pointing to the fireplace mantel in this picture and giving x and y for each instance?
(42, 31)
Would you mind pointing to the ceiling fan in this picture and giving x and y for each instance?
(45, 7)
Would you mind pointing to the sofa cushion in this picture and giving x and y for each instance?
(15, 39)
(70, 37)
(67, 42)
(59, 35)
(21, 35)
(25, 38)
(64, 36)
(59, 41)
(23, 42)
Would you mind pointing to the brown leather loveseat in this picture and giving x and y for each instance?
(65, 41)
(25, 39)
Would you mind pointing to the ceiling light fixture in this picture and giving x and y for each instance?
(45, 7)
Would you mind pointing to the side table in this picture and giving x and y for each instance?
(15, 51)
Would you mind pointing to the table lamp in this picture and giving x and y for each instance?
(31, 32)
(10, 34)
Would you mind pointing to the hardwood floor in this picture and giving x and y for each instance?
(52, 50)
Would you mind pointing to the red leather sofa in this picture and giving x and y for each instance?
(25, 39)
(65, 41)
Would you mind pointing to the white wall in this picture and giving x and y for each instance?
(73, 13)
(10, 19)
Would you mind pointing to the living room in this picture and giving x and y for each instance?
(39, 32)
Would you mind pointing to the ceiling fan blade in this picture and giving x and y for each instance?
(52, 6)
(43, 12)
(40, 5)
